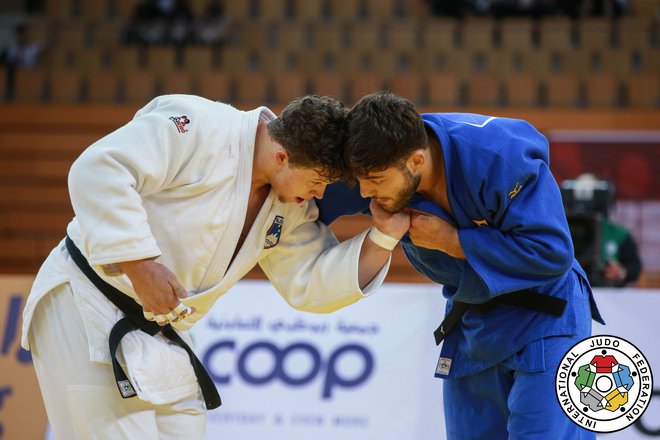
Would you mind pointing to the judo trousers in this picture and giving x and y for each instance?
(81, 397)
(502, 403)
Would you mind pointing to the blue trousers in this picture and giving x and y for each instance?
(502, 403)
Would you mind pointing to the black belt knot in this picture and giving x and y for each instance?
(135, 320)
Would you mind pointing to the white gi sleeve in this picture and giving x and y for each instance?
(313, 271)
(110, 180)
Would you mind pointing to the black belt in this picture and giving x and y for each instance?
(527, 299)
(135, 320)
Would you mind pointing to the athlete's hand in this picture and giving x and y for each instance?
(431, 232)
(394, 225)
(156, 286)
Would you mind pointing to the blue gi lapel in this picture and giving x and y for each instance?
(419, 203)
(463, 214)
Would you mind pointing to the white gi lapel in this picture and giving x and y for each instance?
(246, 258)
(242, 138)
(254, 244)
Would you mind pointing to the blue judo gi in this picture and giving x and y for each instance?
(500, 365)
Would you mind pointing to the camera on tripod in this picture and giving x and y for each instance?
(587, 202)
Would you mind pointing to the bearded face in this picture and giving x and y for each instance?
(392, 188)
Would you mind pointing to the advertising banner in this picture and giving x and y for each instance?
(22, 414)
(632, 314)
(363, 372)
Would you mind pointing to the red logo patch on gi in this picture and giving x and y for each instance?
(180, 122)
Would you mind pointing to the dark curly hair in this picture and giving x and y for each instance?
(383, 130)
(313, 130)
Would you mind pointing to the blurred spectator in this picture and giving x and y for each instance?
(619, 255)
(22, 53)
(606, 250)
(213, 27)
(505, 8)
(33, 6)
(160, 21)
(517, 8)
(611, 8)
(448, 8)
(533, 8)
(572, 8)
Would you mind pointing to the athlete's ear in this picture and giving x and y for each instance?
(416, 159)
(281, 156)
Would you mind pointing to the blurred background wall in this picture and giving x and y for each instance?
(585, 72)
(74, 70)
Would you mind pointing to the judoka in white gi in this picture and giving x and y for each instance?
(173, 209)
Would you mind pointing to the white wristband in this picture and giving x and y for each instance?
(382, 239)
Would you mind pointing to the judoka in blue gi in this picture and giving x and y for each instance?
(489, 225)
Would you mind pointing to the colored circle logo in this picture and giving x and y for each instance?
(604, 383)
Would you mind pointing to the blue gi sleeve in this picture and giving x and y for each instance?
(527, 242)
(341, 199)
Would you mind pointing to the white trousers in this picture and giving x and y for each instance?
(81, 397)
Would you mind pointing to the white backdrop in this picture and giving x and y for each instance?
(634, 314)
(365, 372)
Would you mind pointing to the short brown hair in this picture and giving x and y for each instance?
(383, 130)
(313, 130)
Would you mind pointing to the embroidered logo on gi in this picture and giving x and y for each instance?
(180, 122)
(514, 192)
(604, 383)
(274, 232)
(444, 365)
(480, 222)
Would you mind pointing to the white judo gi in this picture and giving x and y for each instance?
(173, 184)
